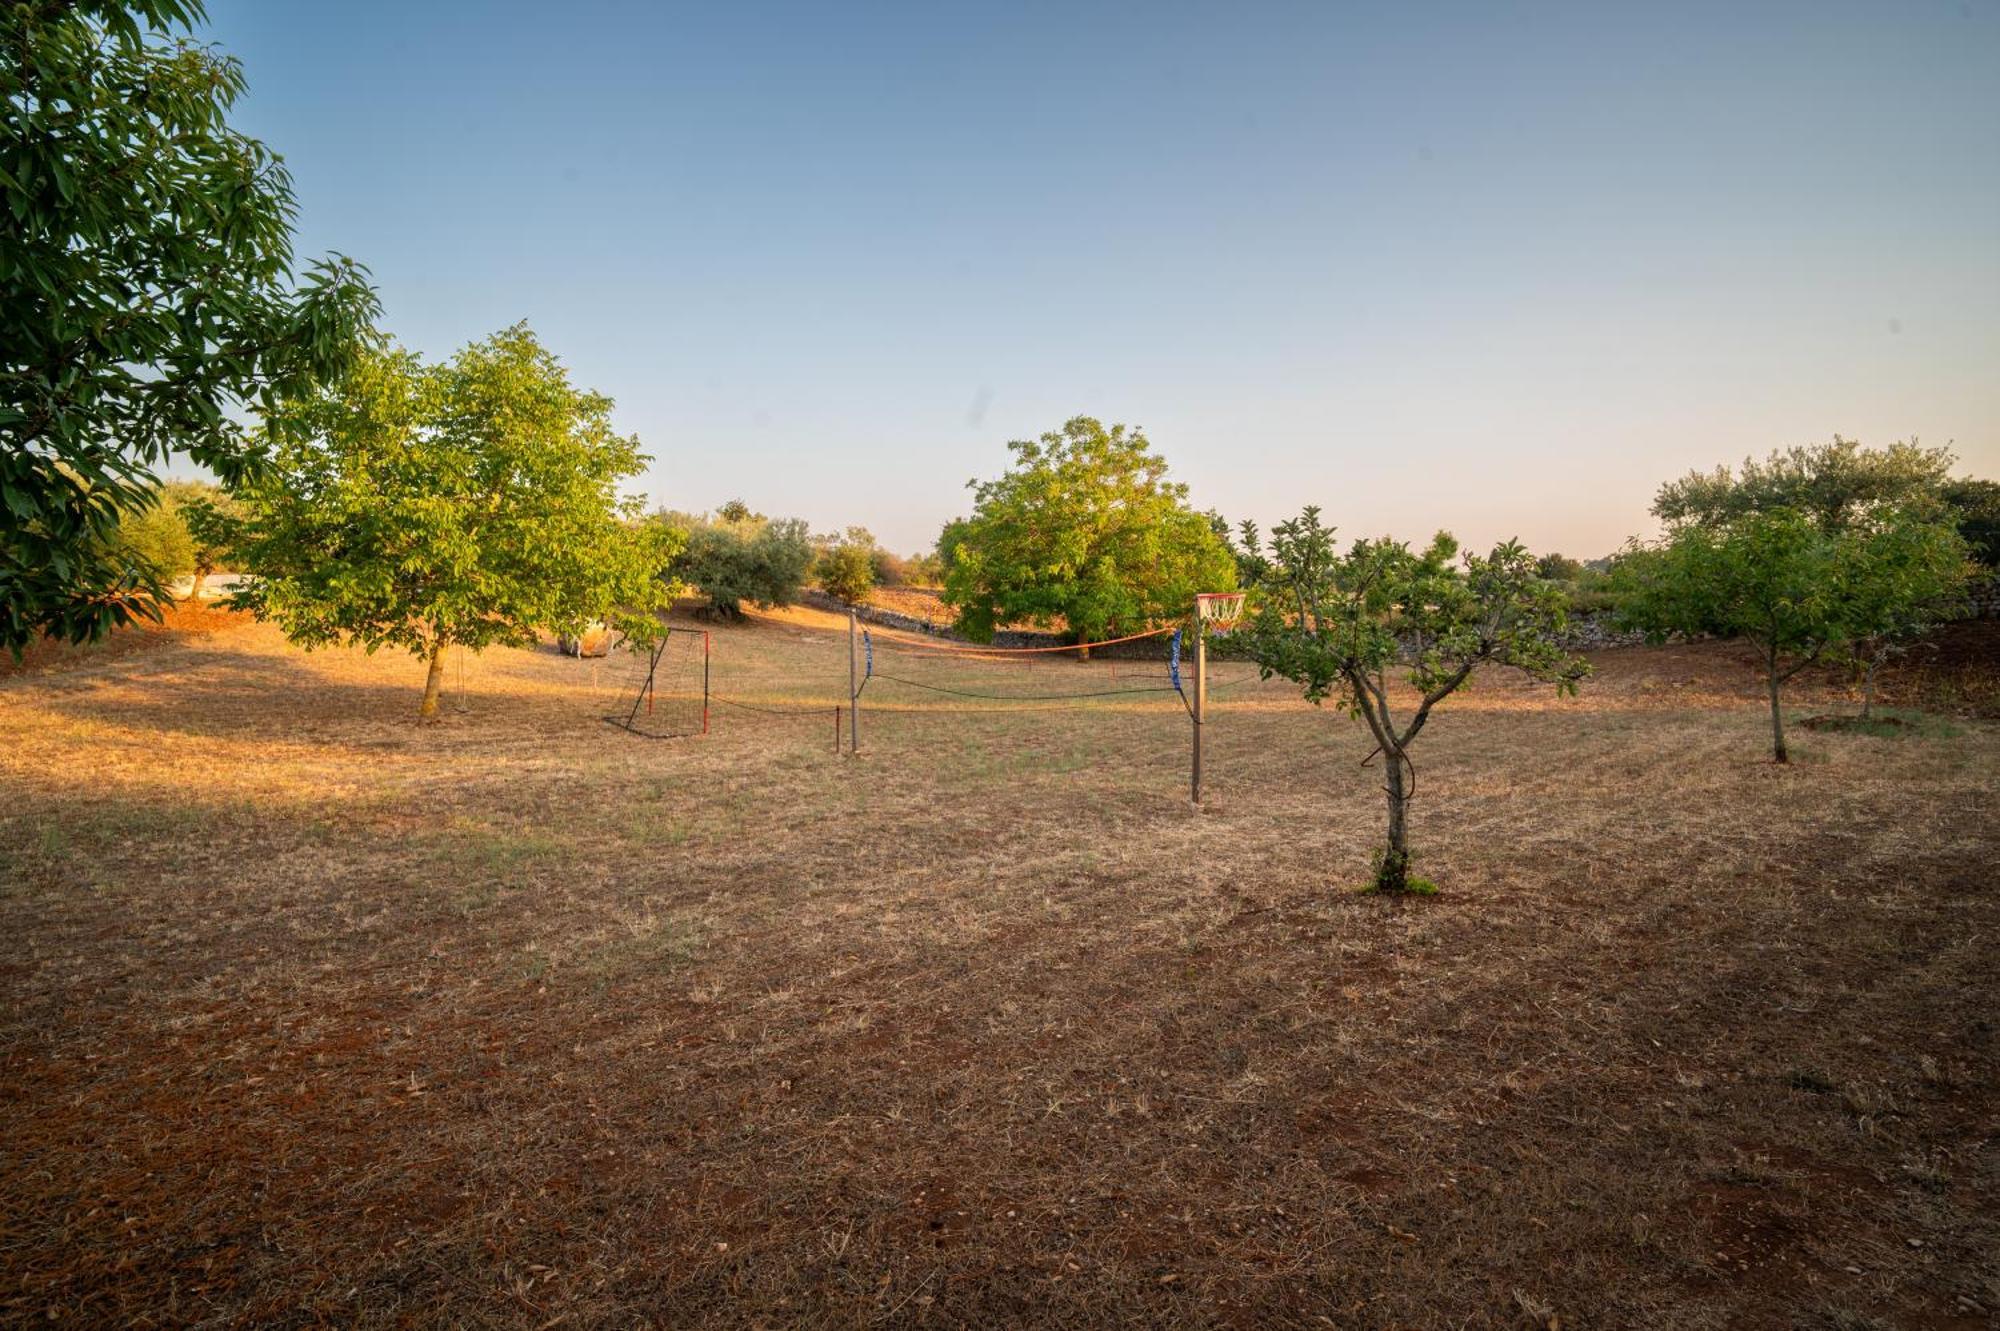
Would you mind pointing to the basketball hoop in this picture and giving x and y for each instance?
(1218, 612)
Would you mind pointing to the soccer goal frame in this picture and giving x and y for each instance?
(693, 722)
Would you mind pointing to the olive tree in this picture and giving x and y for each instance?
(146, 294)
(749, 557)
(1974, 507)
(1559, 567)
(1345, 626)
(465, 504)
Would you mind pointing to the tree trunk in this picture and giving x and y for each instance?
(1394, 873)
(1868, 689)
(1778, 753)
(194, 588)
(433, 683)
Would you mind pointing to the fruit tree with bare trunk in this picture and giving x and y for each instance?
(1389, 633)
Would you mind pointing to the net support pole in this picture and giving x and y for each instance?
(1200, 700)
(853, 683)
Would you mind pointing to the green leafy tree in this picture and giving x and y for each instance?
(1084, 529)
(213, 518)
(1345, 626)
(1974, 506)
(146, 290)
(1245, 558)
(1795, 591)
(1901, 575)
(155, 535)
(464, 504)
(747, 559)
(1558, 568)
(845, 567)
(1902, 572)
(1834, 485)
(1589, 591)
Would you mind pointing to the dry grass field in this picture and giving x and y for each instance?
(309, 1015)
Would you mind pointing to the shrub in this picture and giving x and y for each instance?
(890, 570)
(846, 569)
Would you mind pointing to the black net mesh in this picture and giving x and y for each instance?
(664, 690)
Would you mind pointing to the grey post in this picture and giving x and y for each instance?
(1200, 695)
(853, 684)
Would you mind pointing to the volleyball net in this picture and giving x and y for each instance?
(899, 676)
(1136, 667)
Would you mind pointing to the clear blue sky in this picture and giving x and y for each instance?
(1495, 268)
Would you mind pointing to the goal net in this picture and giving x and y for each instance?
(665, 691)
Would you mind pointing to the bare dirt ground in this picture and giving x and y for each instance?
(313, 1016)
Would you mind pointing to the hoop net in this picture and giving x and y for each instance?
(1219, 612)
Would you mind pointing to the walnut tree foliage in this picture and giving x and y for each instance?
(463, 504)
(146, 293)
(1086, 529)
(1348, 626)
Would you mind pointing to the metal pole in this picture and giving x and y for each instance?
(1200, 698)
(653, 670)
(853, 684)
